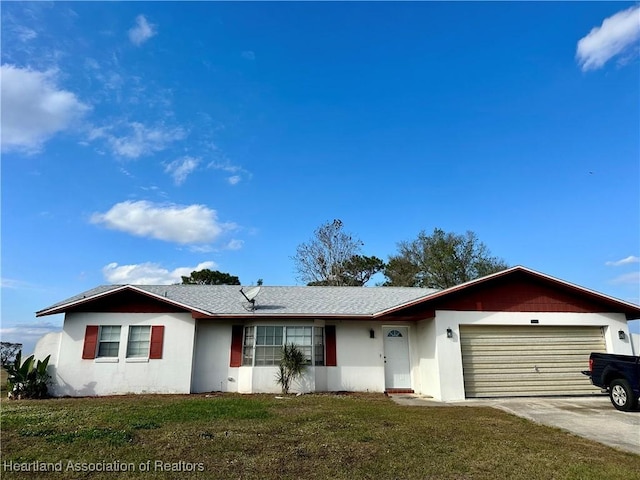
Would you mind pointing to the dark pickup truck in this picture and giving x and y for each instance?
(619, 375)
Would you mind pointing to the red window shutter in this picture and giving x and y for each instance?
(90, 342)
(236, 346)
(330, 345)
(157, 339)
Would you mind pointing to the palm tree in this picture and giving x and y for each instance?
(292, 365)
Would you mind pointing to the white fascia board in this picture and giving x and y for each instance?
(61, 308)
(292, 316)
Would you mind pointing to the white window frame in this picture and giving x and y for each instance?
(314, 349)
(137, 343)
(107, 331)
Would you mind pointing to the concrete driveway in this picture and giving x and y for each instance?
(590, 417)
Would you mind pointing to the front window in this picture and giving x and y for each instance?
(263, 344)
(302, 337)
(318, 353)
(269, 342)
(139, 339)
(109, 341)
(247, 351)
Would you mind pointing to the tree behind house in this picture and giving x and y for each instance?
(332, 258)
(8, 352)
(209, 277)
(441, 260)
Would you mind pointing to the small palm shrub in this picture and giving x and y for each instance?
(292, 365)
(28, 379)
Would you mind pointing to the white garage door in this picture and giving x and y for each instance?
(528, 361)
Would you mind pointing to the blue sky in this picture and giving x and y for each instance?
(142, 140)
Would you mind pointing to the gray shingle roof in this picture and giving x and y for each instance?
(328, 301)
(271, 300)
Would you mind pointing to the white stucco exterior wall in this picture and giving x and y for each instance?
(262, 378)
(428, 375)
(75, 376)
(360, 361)
(196, 354)
(449, 355)
(48, 344)
(360, 358)
(211, 370)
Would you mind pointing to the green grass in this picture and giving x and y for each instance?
(311, 436)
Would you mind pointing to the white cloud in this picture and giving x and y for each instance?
(91, 63)
(201, 248)
(138, 140)
(235, 244)
(34, 109)
(249, 55)
(632, 278)
(142, 31)
(149, 273)
(625, 261)
(28, 334)
(181, 168)
(11, 283)
(225, 167)
(237, 173)
(126, 172)
(616, 35)
(25, 34)
(172, 223)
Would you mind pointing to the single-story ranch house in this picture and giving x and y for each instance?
(514, 333)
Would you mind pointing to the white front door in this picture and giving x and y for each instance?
(396, 357)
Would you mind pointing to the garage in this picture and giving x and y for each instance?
(509, 361)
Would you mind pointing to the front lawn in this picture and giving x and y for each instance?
(306, 437)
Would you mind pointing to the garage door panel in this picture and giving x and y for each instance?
(528, 360)
(525, 350)
(525, 339)
(566, 357)
(540, 391)
(531, 387)
(547, 344)
(554, 368)
(526, 378)
(530, 330)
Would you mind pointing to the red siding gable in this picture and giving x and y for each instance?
(519, 295)
(126, 301)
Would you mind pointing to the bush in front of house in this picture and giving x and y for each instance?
(28, 379)
(292, 365)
